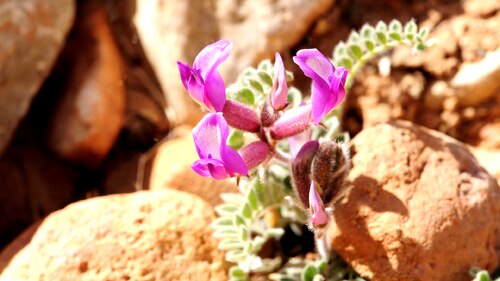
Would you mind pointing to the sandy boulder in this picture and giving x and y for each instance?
(152, 235)
(421, 207)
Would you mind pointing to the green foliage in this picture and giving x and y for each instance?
(481, 275)
(369, 41)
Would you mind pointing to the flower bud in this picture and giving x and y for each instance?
(255, 153)
(329, 169)
(268, 115)
(292, 122)
(319, 216)
(301, 171)
(241, 117)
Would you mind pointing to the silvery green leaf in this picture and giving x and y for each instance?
(226, 232)
(256, 85)
(309, 272)
(226, 209)
(318, 277)
(235, 256)
(237, 272)
(339, 50)
(346, 62)
(239, 220)
(222, 221)
(381, 37)
(367, 31)
(243, 234)
(289, 76)
(259, 190)
(423, 33)
(369, 45)
(227, 244)
(381, 27)
(395, 36)
(395, 26)
(236, 139)
(246, 211)
(252, 200)
(244, 95)
(355, 52)
(411, 27)
(294, 96)
(266, 78)
(265, 65)
(353, 37)
(257, 244)
(419, 47)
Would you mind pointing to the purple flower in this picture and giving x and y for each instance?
(319, 216)
(279, 92)
(217, 160)
(327, 82)
(202, 81)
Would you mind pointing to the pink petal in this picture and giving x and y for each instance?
(212, 168)
(211, 56)
(210, 134)
(233, 161)
(319, 217)
(320, 96)
(296, 142)
(279, 92)
(215, 91)
(193, 82)
(314, 64)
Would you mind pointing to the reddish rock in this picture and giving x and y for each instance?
(153, 235)
(91, 113)
(171, 168)
(33, 33)
(421, 207)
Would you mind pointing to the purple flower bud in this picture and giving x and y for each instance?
(327, 82)
(301, 171)
(217, 160)
(255, 153)
(292, 122)
(202, 81)
(319, 217)
(267, 115)
(329, 169)
(241, 117)
(279, 92)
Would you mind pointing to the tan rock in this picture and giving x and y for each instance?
(421, 207)
(33, 33)
(489, 159)
(171, 168)
(178, 30)
(91, 114)
(153, 235)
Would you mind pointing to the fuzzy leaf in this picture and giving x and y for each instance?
(266, 78)
(355, 51)
(411, 27)
(265, 65)
(226, 209)
(346, 62)
(244, 95)
(228, 244)
(395, 36)
(395, 26)
(224, 233)
(367, 31)
(236, 139)
(339, 50)
(232, 197)
(222, 221)
(381, 26)
(235, 256)
(246, 212)
(243, 234)
(252, 200)
(420, 47)
(257, 244)
(369, 44)
(309, 272)
(289, 76)
(238, 220)
(256, 85)
(381, 37)
(423, 33)
(236, 272)
(259, 190)
(294, 96)
(353, 38)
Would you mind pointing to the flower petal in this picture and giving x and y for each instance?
(319, 217)
(296, 142)
(314, 64)
(211, 56)
(210, 134)
(212, 168)
(193, 82)
(233, 161)
(320, 97)
(214, 91)
(279, 92)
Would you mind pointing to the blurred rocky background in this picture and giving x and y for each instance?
(91, 104)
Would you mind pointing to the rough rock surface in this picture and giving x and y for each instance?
(91, 114)
(171, 168)
(33, 33)
(177, 30)
(421, 207)
(153, 235)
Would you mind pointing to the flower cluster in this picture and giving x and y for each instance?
(317, 168)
